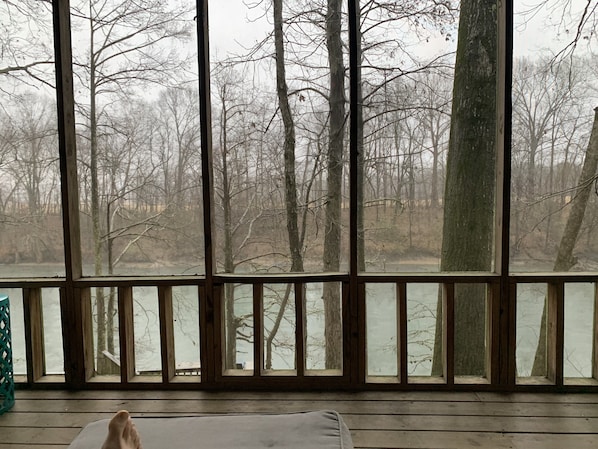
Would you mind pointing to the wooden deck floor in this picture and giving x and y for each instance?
(51, 419)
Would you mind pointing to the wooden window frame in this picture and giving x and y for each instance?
(75, 290)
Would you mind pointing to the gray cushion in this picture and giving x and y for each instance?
(320, 429)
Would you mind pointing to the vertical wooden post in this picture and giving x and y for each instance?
(402, 333)
(354, 335)
(448, 332)
(166, 333)
(127, 335)
(216, 354)
(595, 335)
(208, 332)
(504, 109)
(349, 304)
(87, 330)
(206, 341)
(300, 323)
(34, 336)
(555, 332)
(72, 314)
(504, 373)
(258, 329)
(508, 338)
(493, 336)
(355, 348)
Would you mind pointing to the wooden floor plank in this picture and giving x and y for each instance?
(51, 419)
(358, 422)
(393, 396)
(47, 435)
(36, 419)
(469, 440)
(471, 424)
(33, 446)
(220, 406)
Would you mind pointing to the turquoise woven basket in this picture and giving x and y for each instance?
(7, 385)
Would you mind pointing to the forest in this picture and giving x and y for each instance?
(139, 140)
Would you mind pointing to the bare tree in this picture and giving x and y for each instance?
(232, 140)
(289, 141)
(26, 56)
(178, 143)
(31, 169)
(127, 47)
(332, 231)
(565, 259)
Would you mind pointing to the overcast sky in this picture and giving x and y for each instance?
(536, 29)
(552, 26)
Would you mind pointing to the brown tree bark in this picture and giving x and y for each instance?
(468, 230)
(292, 207)
(565, 260)
(289, 142)
(332, 236)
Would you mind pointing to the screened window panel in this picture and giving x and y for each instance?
(553, 193)
(137, 109)
(31, 242)
(280, 140)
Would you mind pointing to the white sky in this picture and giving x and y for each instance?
(535, 31)
(233, 26)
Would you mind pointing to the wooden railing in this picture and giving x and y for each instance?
(208, 370)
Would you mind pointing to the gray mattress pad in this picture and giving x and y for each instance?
(316, 429)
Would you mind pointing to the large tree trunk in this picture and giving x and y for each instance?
(565, 259)
(469, 201)
(332, 236)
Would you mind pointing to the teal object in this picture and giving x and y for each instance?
(7, 384)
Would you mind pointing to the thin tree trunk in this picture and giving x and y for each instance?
(291, 203)
(232, 323)
(276, 326)
(565, 260)
(435, 137)
(332, 236)
(104, 365)
(360, 154)
(289, 143)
